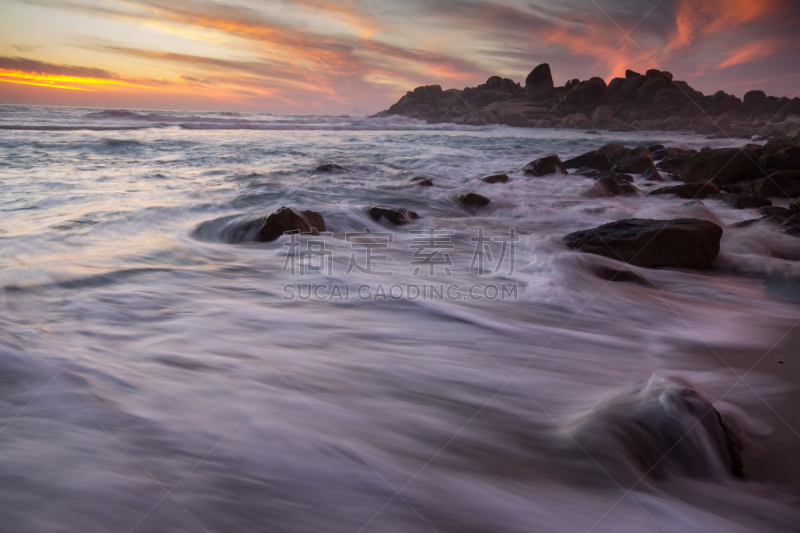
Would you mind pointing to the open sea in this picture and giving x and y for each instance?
(158, 376)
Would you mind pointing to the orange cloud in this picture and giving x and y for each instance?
(705, 17)
(750, 52)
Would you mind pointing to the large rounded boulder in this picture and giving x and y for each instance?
(678, 243)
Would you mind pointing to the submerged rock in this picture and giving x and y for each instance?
(620, 275)
(665, 431)
(288, 219)
(396, 215)
(239, 229)
(472, 199)
(772, 220)
(544, 166)
(775, 211)
(422, 182)
(792, 225)
(330, 168)
(737, 201)
(784, 282)
(678, 243)
(496, 178)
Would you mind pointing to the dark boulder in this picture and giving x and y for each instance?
(672, 162)
(784, 159)
(472, 199)
(330, 168)
(723, 165)
(631, 74)
(587, 172)
(496, 83)
(688, 191)
(610, 186)
(621, 177)
(593, 91)
(795, 206)
(610, 149)
(781, 184)
(602, 117)
(737, 201)
(620, 275)
(539, 83)
(288, 219)
(589, 160)
(615, 86)
(633, 161)
(496, 178)
(650, 87)
(678, 243)
(755, 97)
(652, 174)
(545, 166)
(396, 215)
(632, 86)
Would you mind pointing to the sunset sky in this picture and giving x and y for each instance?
(358, 57)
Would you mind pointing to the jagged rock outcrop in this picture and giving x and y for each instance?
(496, 178)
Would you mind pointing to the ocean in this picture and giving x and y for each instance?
(463, 372)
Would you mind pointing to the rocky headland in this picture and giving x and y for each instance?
(649, 101)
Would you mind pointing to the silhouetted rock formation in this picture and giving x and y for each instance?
(539, 83)
(650, 101)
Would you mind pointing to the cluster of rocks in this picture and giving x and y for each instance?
(742, 178)
(649, 101)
